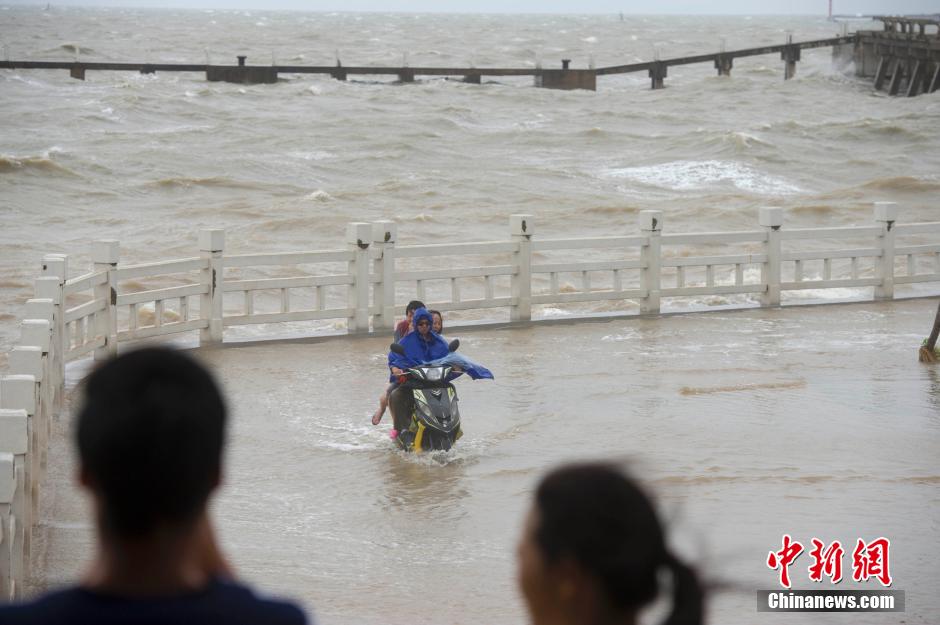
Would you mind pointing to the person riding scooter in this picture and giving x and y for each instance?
(420, 347)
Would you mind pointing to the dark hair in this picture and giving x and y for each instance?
(595, 515)
(414, 304)
(438, 313)
(150, 436)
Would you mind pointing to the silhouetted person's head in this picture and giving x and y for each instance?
(592, 551)
(150, 436)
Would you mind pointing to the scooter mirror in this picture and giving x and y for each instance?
(398, 349)
(453, 345)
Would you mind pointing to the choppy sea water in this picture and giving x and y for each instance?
(151, 160)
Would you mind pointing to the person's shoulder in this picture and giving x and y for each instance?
(223, 603)
(249, 606)
(60, 606)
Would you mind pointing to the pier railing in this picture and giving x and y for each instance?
(366, 284)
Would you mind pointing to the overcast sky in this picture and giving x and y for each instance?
(711, 7)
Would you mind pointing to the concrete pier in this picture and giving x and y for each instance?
(903, 57)
(790, 55)
(564, 78)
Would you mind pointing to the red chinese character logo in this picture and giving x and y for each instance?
(828, 561)
(871, 560)
(784, 558)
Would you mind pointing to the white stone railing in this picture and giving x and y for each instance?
(368, 283)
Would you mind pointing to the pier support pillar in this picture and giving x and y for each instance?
(771, 219)
(897, 73)
(934, 82)
(916, 79)
(473, 79)
(886, 213)
(657, 75)
(77, 71)
(338, 74)
(884, 63)
(521, 229)
(790, 55)
(723, 65)
(406, 75)
(651, 226)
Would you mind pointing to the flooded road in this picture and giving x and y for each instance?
(747, 425)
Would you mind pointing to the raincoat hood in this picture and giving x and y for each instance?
(421, 313)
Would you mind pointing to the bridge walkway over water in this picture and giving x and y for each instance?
(564, 78)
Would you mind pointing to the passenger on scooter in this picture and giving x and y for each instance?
(404, 326)
(437, 322)
(402, 329)
(421, 346)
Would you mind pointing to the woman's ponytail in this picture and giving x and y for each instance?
(688, 599)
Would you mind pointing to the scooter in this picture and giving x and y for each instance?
(425, 406)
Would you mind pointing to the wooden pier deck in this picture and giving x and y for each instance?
(903, 58)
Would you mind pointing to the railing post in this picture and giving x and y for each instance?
(56, 266)
(651, 225)
(44, 309)
(521, 228)
(211, 246)
(358, 238)
(885, 214)
(384, 234)
(772, 220)
(27, 359)
(104, 255)
(18, 393)
(14, 445)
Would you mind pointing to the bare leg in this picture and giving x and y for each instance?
(383, 403)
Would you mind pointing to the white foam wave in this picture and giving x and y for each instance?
(699, 175)
(320, 196)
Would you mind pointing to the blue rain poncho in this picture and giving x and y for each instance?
(432, 350)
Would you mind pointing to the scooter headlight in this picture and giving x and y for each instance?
(434, 374)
